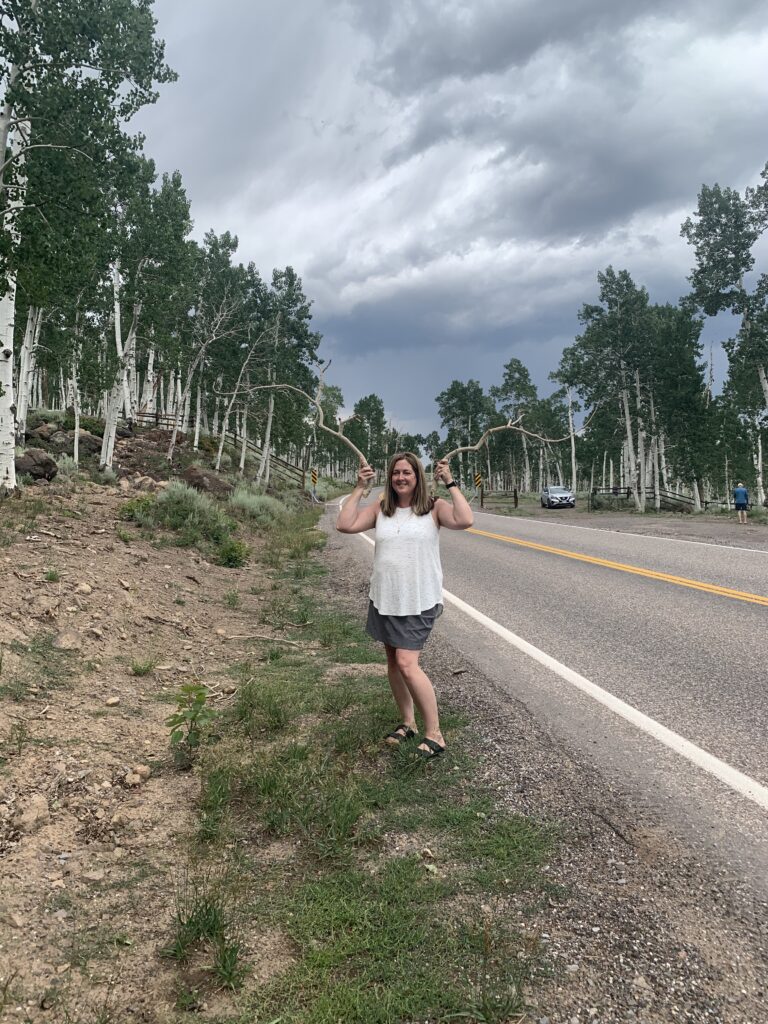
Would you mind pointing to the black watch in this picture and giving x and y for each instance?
(452, 484)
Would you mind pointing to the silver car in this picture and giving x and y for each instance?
(558, 497)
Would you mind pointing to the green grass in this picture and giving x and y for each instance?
(52, 576)
(377, 934)
(143, 667)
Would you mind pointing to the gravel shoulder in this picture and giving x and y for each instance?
(644, 931)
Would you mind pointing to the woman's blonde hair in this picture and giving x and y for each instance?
(422, 500)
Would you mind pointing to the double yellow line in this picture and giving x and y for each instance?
(665, 577)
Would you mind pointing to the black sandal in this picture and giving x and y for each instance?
(435, 750)
(400, 734)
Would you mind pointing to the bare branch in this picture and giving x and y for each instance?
(41, 145)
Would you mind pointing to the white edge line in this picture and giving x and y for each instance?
(621, 533)
(736, 780)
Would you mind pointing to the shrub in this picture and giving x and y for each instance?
(233, 553)
(261, 507)
(193, 514)
(89, 423)
(68, 468)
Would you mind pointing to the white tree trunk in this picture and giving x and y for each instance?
(148, 394)
(526, 466)
(696, 496)
(27, 369)
(763, 382)
(7, 418)
(224, 424)
(610, 478)
(169, 394)
(75, 395)
(573, 442)
(641, 444)
(113, 403)
(198, 410)
(630, 451)
(185, 414)
(14, 204)
(757, 458)
(116, 286)
(244, 443)
(263, 472)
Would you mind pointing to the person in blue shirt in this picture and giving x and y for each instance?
(741, 500)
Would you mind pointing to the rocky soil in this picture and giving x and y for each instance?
(93, 816)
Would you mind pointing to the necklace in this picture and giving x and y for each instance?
(401, 522)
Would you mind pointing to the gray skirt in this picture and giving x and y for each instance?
(408, 632)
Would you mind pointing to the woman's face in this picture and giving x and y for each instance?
(403, 478)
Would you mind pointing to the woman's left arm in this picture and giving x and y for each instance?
(456, 515)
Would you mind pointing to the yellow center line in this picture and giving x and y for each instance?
(680, 581)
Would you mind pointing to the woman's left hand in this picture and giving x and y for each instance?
(443, 471)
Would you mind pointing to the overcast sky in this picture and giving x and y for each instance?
(448, 176)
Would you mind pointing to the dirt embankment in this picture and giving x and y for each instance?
(97, 634)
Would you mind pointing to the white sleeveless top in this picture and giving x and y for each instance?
(407, 576)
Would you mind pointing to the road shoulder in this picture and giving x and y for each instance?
(643, 931)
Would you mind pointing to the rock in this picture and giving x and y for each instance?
(143, 771)
(14, 920)
(206, 480)
(41, 433)
(124, 484)
(67, 642)
(132, 779)
(112, 702)
(124, 584)
(97, 632)
(60, 439)
(34, 814)
(97, 875)
(83, 588)
(89, 442)
(37, 464)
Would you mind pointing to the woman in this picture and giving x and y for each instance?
(407, 583)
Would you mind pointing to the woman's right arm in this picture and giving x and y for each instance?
(352, 518)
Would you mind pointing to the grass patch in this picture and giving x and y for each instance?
(195, 519)
(381, 929)
(143, 667)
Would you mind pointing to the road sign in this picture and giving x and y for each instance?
(478, 479)
(314, 477)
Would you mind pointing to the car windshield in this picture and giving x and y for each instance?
(559, 490)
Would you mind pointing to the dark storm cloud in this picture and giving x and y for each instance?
(448, 176)
(420, 43)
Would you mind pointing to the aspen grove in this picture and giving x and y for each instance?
(110, 310)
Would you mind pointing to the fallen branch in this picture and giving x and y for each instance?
(262, 636)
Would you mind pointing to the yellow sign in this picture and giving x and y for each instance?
(314, 477)
(478, 479)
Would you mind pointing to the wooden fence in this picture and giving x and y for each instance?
(286, 471)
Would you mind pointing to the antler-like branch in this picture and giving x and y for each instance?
(509, 425)
(515, 425)
(320, 420)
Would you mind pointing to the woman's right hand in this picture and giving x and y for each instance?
(365, 475)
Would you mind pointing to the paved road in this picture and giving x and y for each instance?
(694, 660)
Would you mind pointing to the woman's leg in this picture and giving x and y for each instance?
(421, 690)
(400, 691)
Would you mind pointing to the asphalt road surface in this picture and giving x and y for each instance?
(670, 634)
